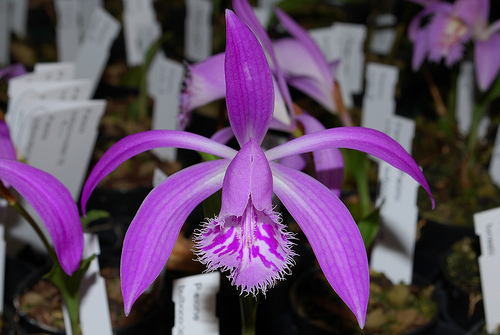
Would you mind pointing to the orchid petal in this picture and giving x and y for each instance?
(247, 175)
(249, 85)
(296, 61)
(6, 147)
(420, 49)
(205, 82)
(280, 108)
(367, 140)
(223, 136)
(328, 163)
(137, 143)
(154, 230)
(332, 233)
(12, 71)
(297, 162)
(55, 206)
(245, 12)
(315, 90)
(474, 12)
(303, 37)
(486, 60)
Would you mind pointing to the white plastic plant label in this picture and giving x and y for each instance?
(140, 29)
(465, 97)
(348, 48)
(324, 39)
(198, 28)
(379, 102)
(383, 39)
(165, 77)
(59, 137)
(195, 302)
(93, 52)
(487, 226)
(94, 311)
(494, 168)
(67, 29)
(394, 245)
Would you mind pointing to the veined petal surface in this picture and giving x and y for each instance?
(368, 140)
(55, 206)
(247, 176)
(249, 84)
(332, 233)
(328, 163)
(137, 143)
(154, 230)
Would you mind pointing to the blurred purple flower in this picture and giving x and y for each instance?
(450, 27)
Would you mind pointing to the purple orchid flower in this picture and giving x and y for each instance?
(247, 238)
(451, 26)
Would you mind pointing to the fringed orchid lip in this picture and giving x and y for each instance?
(247, 237)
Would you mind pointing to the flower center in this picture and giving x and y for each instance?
(454, 32)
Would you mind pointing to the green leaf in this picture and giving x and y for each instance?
(368, 227)
(93, 215)
(69, 286)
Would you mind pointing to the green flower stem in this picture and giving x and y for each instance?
(69, 286)
(248, 307)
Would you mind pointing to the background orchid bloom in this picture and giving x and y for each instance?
(247, 238)
(55, 206)
(449, 28)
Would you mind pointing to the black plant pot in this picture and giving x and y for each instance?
(158, 321)
(336, 318)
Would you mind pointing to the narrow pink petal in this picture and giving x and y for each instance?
(6, 147)
(367, 140)
(55, 206)
(249, 84)
(154, 230)
(223, 136)
(247, 176)
(316, 90)
(487, 61)
(296, 61)
(303, 37)
(245, 12)
(332, 233)
(328, 163)
(420, 49)
(137, 143)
